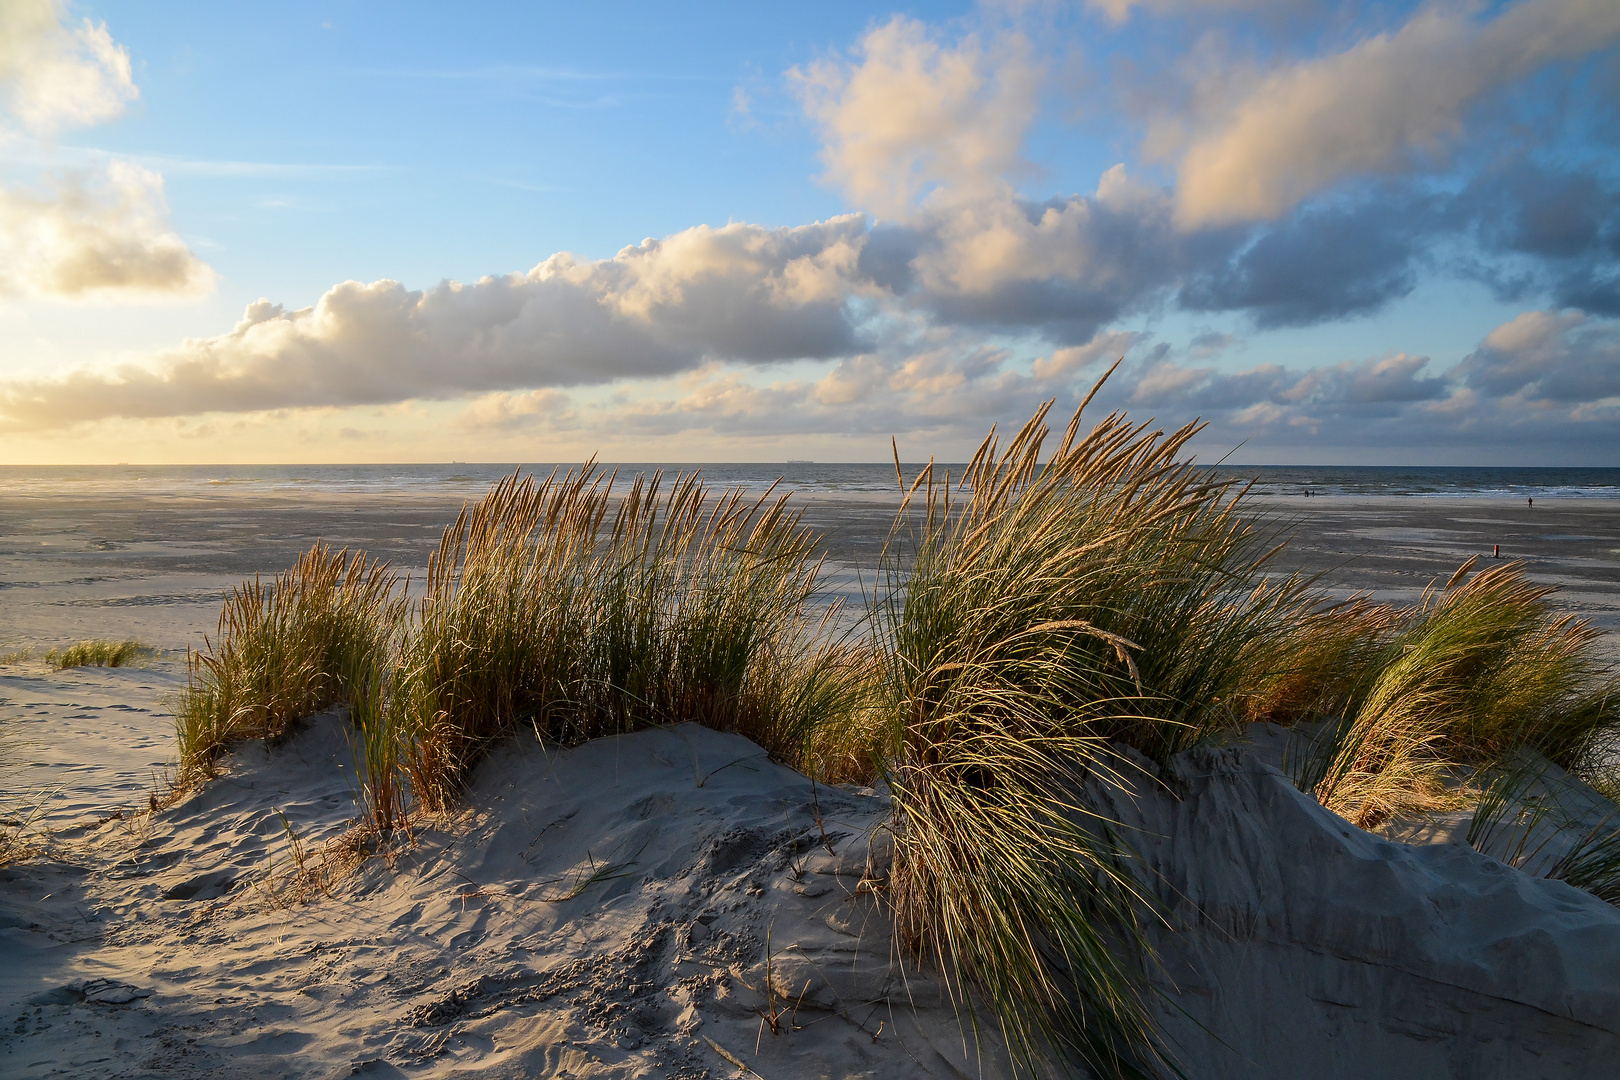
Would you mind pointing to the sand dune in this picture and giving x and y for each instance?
(627, 908)
(645, 905)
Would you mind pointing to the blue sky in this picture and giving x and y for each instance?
(1359, 233)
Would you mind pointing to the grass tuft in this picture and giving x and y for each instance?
(1480, 670)
(1051, 613)
(99, 653)
(558, 606)
(285, 651)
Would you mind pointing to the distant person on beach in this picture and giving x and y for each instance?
(1532, 503)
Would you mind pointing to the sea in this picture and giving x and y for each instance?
(811, 478)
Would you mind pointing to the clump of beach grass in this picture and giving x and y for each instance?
(1321, 666)
(99, 653)
(1481, 669)
(560, 607)
(1052, 613)
(284, 651)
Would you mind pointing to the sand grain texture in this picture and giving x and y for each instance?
(600, 912)
(1305, 947)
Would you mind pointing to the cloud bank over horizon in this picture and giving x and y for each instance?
(1282, 191)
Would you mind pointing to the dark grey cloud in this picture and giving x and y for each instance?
(1325, 263)
(1564, 357)
(1558, 228)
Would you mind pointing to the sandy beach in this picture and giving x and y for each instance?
(597, 912)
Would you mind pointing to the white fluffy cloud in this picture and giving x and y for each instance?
(101, 232)
(739, 293)
(915, 117)
(57, 76)
(94, 235)
(1548, 359)
(1370, 108)
(928, 133)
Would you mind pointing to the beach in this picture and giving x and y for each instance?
(500, 943)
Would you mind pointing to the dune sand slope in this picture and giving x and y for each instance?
(1305, 947)
(639, 906)
(642, 906)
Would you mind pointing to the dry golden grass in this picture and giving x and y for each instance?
(1322, 665)
(1481, 668)
(560, 607)
(285, 651)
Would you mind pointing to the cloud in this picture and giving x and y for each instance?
(1378, 106)
(1544, 382)
(1065, 266)
(1547, 358)
(95, 235)
(1393, 379)
(1118, 11)
(1359, 389)
(1076, 358)
(916, 118)
(101, 232)
(53, 76)
(740, 292)
(1211, 343)
(1321, 264)
(1560, 230)
(927, 134)
(517, 411)
(947, 386)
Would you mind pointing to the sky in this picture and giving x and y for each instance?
(1358, 233)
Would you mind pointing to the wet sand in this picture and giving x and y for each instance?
(1394, 547)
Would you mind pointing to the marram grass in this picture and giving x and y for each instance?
(285, 651)
(99, 653)
(561, 607)
(1479, 670)
(1037, 615)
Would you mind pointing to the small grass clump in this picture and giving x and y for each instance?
(99, 653)
(1479, 671)
(284, 651)
(1051, 614)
